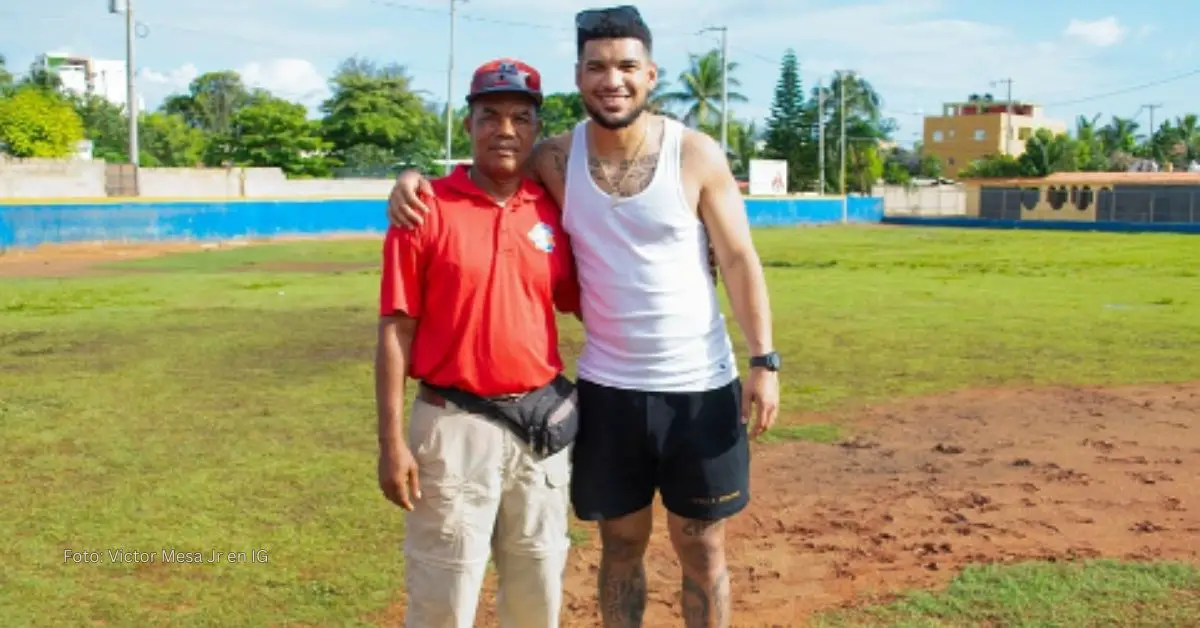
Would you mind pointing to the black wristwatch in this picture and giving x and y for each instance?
(769, 361)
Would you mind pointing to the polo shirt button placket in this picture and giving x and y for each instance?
(504, 231)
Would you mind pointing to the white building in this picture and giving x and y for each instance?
(84, 75)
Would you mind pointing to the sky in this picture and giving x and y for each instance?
(1077, 58)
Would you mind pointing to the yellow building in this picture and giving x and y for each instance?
(969, 130)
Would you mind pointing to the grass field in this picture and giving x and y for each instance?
(222, 401)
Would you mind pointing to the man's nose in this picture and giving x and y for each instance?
(506, 127)
(613, 79)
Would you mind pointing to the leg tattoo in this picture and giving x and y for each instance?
(706, 606)
(622, 584)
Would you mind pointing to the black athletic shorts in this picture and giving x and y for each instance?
(692, 447)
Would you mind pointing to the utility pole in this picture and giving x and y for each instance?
(1151, 109)
(450, 94)
(724, 85)
(821, 135)
(1153, 146)
(842, 89)
(131, 107)
(1008, 131)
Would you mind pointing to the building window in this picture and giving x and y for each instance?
(979, 135)
(938, 136)
(1084, 199)
(1056, 197)
(1024, 133)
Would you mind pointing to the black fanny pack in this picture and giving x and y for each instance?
(546, 419)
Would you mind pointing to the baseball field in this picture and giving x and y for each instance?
(980, 428)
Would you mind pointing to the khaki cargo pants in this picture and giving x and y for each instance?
(483, 493)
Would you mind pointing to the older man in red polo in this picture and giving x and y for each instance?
(467, 307)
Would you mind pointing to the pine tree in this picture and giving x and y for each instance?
(789, 133)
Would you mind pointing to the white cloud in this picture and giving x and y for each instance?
(297, 80)
(176, 79)
(910, 51)
(1101, 33)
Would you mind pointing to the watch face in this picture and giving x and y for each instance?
(770, 361)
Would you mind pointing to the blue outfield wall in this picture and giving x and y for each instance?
(28, 225)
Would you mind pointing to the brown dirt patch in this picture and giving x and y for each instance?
(930, 485)
(73, 260)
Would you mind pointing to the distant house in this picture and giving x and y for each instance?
(982, 126)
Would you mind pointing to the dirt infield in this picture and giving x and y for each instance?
(930, 485)
(71, 260)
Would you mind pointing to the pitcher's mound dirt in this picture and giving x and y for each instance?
(930, 485)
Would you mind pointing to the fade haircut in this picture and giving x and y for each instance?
(614, 29)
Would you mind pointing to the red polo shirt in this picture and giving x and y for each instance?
(483, 282)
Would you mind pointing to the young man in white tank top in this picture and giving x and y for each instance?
(662, 406)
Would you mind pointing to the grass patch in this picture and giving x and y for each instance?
(218, 406)
(813, 432)
(1044, 595)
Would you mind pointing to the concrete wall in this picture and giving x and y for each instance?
(28, 225)
(940, 200)
(64, 179)
(51, 178)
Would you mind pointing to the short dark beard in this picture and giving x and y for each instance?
(618, 124)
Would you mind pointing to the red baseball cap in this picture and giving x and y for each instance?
(506, 76)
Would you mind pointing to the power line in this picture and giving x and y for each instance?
(1126, 90)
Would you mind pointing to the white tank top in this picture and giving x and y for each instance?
(650, 309)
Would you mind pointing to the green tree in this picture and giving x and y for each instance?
(377, 106)
(743, 143)
(6, 77)
(865, 126)
(1090, 153)
(1119, 135)
(1047, 153)
(992, 167)
(698, 97)
(561, 112)
(106, 125)
(34, 123)
(789, 129)
(167, 141)
(212, 100)
(41, 77)
(276, 133)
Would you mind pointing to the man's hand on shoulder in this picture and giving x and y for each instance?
(548, 161)
(406, 209)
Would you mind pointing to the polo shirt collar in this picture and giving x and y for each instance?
(460, 180)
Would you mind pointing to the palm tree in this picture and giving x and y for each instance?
(1092, 156)
(1188, 128)
(699, 96)
(743, 142)
(657, 101)
(1119, 135)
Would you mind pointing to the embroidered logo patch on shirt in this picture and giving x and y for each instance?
(542, 237)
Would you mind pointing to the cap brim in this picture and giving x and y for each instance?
(537, 98)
